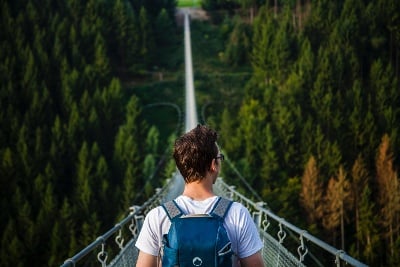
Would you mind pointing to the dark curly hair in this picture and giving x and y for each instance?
(194, 152)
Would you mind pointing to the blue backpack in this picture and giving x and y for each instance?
(197, 240)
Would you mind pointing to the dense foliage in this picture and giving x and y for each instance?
(305, 95)
(317, 131)
(72, 138)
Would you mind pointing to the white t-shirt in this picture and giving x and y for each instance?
(239, 225)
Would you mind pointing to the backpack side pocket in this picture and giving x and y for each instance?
(169, 255)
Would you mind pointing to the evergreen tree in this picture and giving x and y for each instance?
(25, 227)
(252, 122)
(358, 127)
(11, 246)
(119, 32)
(83, 190)
(101, 61)
(270, 166)
(164, 32)
(68, 226)
(311, 193)
(238, 45)
(101, 184)
(127, 152)
(337, 202)
(149, 165)
(44, 224)
(360, 179)
(306, 66)
(263, 36)
(285, 113)
(385, 91)
(367, 232)
(7, 183)
(282, 46)
(146, 38)
(57, 250)
(389, 196)
(227, 131)
(152, 140)
(24, 158)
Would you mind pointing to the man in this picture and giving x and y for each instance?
(199, 161)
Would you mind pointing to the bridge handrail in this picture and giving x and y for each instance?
(260, 210)
(134, 212)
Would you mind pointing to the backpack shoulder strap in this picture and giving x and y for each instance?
(172, 209)
(221, 208)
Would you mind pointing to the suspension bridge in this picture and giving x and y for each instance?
(284, 243)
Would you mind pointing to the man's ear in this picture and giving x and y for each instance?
(214, 165)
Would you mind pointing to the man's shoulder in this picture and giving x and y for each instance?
(238, 212)
(156, 212)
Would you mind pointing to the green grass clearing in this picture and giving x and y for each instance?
(189, 3)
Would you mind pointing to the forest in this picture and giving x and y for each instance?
(305, 95)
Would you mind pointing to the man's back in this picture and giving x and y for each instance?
(238, 223)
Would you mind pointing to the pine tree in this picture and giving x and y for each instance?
(263, 36)
(252, 122)
(101, 62)
(24, 157)
(119, 30)
(74, 129)
(227, 132)
(337, 202)
(149, 166)
(83, 190)
(127, 153)
(7, 182)
(57, 250)
(389, 195)
(238, 45)
(358, 128)
(285, 113)
(384, 86)
(24, 224)
(101, 182)
(311, 192)
(146, 38)
(132, 42)
(44, 224)
(360, 180)
(282, 46)
(11, 246)
(152, 140)
(367, 231)
(68, 226)
(270, 165)
(164, 38)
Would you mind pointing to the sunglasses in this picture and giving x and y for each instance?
(221, 157)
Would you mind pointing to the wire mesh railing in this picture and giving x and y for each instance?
(126, 254)
(275, 252)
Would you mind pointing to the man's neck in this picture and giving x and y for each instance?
(199, 190)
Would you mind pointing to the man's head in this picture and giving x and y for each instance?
(194, 153)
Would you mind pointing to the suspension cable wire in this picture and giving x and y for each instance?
(156, 169)
(167, 150)
(255, 194)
